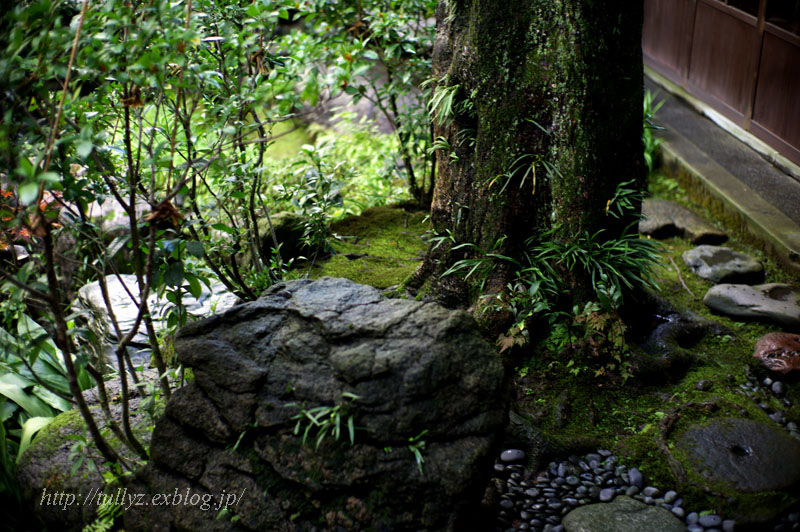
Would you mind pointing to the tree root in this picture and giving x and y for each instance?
(680, 277)
(666, 425)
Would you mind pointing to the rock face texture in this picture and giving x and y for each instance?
(663, 219)
(722, 265)
(772, 302)
(779, 352)
(624, 514)
(414, 366)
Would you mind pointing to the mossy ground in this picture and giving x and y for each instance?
(381, 247)
(577, 410)
(627, 417)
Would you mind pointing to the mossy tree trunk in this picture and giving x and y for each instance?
(544, 122)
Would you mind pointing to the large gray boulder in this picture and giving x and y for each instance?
(723, 265)
(624, 514)
(772, 302)
(414, 366)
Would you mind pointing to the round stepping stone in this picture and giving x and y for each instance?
(723, 265)
(624, 514)
(746, 455)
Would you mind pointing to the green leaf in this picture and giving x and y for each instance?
(351, 429)
(224, 228)
(195, 248)
(194, 286)
(174, 275)
(31, 427)
(28, 193)
(13, 387)
(7, 409)
(83, 149)
(56, 401)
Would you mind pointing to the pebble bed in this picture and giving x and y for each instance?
(538, 501)
(758, 391)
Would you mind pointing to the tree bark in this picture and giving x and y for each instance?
(546, 121)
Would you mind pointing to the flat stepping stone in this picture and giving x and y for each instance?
(664, 219)
(742, 454)
(624, 514)
(779, 352)
(772, 302)
(723, 265)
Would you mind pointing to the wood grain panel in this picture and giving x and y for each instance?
(777, 104)
(667, 34)
(724, 55)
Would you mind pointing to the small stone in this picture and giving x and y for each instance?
(572, 480)
(703, 385)
(695, 528)
(777, 417)
(692, 518)
(605, 453)
(778, 388)
(670, 496)
(631, 491)
(507, 504)
(767, 382)
(678, 511)
(793, 517)
(635, 478)
(728, 525)
(532, 492)
(607, 494)
(650, 491)
(710, 520)
(512, 455)
(499, 468)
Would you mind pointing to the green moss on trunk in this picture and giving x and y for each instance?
(546, 121)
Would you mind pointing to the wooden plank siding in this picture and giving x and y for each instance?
(742, 57)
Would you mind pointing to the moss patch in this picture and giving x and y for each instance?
(294, 135)
(380, 247)
(639, 421)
